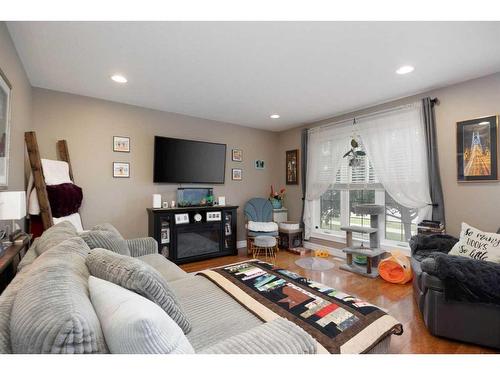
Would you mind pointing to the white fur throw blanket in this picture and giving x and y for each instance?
(256, 226)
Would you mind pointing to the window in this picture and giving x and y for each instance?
(357, 185)
(400, 221)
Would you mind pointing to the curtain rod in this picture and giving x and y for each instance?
(434, 101)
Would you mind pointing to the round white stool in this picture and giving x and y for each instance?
(265, 244)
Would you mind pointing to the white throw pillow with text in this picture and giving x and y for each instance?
(477, 244)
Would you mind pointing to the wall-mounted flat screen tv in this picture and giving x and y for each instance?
(186, 161)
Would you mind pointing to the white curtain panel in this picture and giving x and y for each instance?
(325, 149)
(395, 144)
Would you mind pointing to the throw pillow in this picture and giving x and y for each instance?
(106, 240)
(107, 227)
(54, 236)
(134, 325)
(136, 275)
(477, 244)
(52, 312)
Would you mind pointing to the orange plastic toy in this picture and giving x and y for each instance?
(323, 253)
(396, 268)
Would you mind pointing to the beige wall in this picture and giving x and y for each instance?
(474, 203)
(89, 126)
(12, 67)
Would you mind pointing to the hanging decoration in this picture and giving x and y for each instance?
(354, 154)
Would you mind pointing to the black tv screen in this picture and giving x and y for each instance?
(185, 161)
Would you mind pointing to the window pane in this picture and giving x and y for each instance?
(400, 222)
(360, 197)
(330, 210)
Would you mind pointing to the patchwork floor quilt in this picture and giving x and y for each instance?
(339, 322)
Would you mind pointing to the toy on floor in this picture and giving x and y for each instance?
(322, 253)
(396, 268)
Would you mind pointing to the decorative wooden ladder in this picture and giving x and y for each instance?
(39, 180)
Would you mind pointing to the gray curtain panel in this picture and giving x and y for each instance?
(433, 161)
(303, 162)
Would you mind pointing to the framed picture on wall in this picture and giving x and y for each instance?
(121, 170)
(292, 167)
(260, 164)
(237, 154)
(121, 144)
(477, 149)
(237, 174)
(5, 94)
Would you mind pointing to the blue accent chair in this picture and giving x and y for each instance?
(259, 210)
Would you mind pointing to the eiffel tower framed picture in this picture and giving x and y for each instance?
(477, 149)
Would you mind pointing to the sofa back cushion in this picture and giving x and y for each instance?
(106, 238)
(477, 244)
(108, 228)
(133, 324)
(136, 275)
(52, 312)
(54, 236)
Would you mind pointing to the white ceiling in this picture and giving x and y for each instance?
(241, 72)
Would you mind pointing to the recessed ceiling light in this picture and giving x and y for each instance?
(405, 69)
(275, 116)
(119, 78)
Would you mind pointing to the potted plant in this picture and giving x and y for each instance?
(276, 198)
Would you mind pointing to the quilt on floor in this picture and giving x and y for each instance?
(339, 322)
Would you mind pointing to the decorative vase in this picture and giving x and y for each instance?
(277, 204)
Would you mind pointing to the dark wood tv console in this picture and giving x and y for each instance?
(188, 234)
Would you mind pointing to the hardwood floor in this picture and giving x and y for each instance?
(397, 299)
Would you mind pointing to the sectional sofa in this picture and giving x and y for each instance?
(48, 308)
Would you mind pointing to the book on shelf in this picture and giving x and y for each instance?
(430, 227)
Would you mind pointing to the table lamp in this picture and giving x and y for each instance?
(12, 207)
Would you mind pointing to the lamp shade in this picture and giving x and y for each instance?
(12, 205)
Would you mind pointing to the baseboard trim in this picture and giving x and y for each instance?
(308, 245)
(333, 251)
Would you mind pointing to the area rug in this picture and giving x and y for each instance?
(314, 263)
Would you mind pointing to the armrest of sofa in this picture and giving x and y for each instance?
(142, 246)
(430, 280)
(422, 244)
(279, 336)
(29, 257)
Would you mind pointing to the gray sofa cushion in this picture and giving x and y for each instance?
(52, 312)
(169, 270)
(279, 336)
(6, 303)
(105, 239)
(54, 236)
(133, 324)
(213, 314)
(142, 246)
(30, 256)
(107, 227)
(138, 276)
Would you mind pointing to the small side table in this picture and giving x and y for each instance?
(10, 259)
(291, 240)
